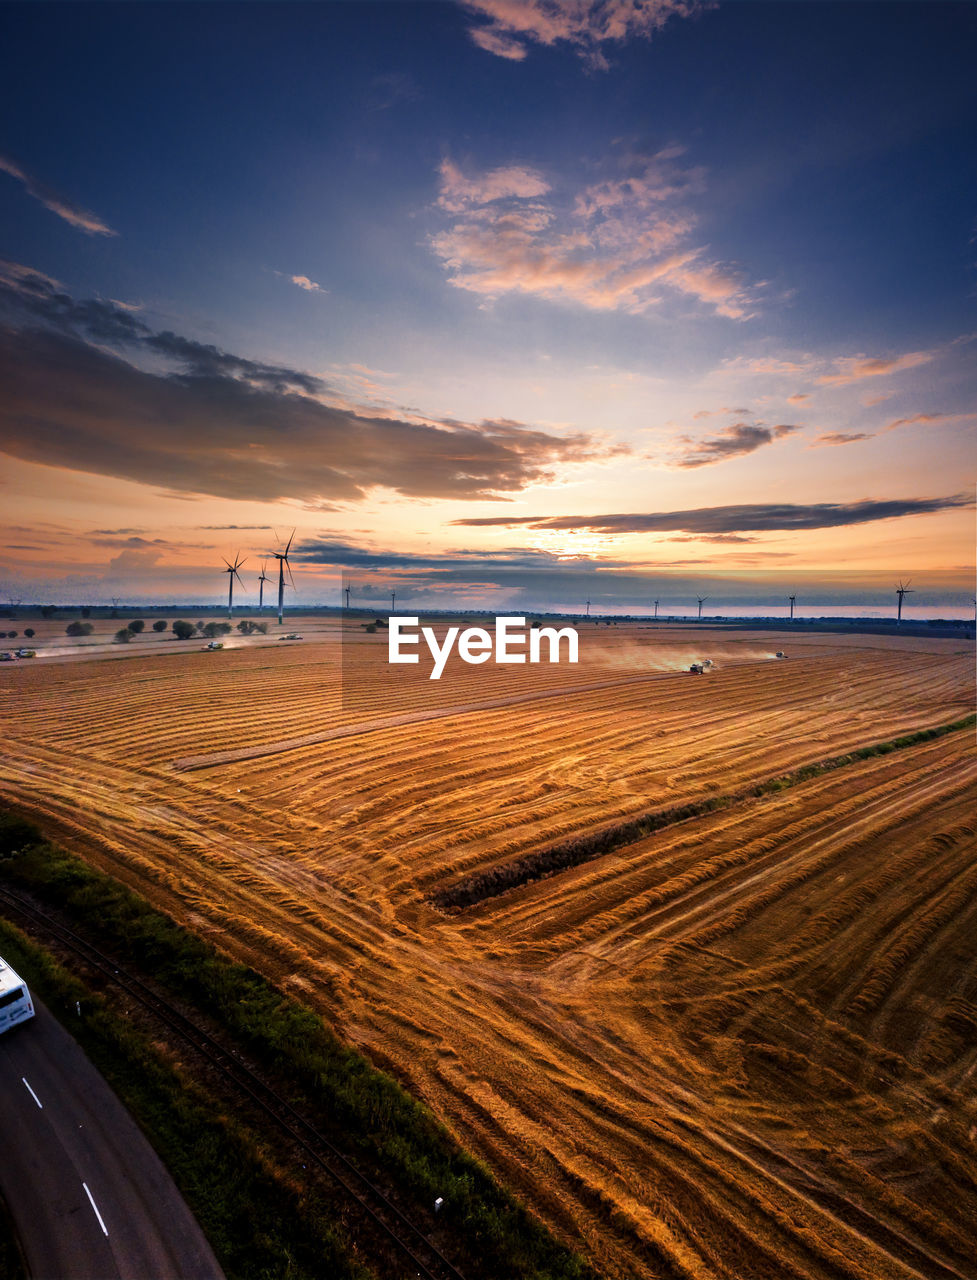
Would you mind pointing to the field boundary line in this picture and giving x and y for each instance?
(481, 886)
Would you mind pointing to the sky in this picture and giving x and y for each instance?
(498, 302)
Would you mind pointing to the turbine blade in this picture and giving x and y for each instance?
(290, 578)
(289, 546)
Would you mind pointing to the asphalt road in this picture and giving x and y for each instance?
(88, 1195)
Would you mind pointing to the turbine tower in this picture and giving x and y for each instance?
(588, 608)
(701, 600)
(232, 573)
(261, 587)
(656, 609)
(393, 601)
(348, 588)
(282, 558)
(901, 591)
(792, 600)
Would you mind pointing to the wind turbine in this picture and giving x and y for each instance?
(901, 591)
(701, 600)
(261, 588)
(656, 609)
(792, 599)
(588, 608)
(232, 573)
(348, 588)
(393, 601)
(282, 558)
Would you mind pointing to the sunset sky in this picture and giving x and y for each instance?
(537, 300)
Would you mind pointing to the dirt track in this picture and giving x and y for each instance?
(743, 1047)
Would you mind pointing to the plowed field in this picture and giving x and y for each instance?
(743, 1046)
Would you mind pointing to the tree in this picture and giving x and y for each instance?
(136, 626)
(183, 630)
(29, 633)
(123, 636)
(160, 625)
(79, 629)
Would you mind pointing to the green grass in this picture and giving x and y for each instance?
(365, 1112)
(260, 1224)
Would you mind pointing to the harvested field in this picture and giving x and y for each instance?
(744, 1045)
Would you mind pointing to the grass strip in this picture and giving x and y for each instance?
(260, 1224)
(482, 885)
(365, 1112)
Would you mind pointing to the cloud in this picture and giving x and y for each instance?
(732, 442)
(308, 285)
(854, 368)
(459, 192)
(799, 398)
(619, 244)
(745, 518)
(584, 25)
(840, 437)
(224, 425)
(929, 418)
(134, 560)
(72, 213)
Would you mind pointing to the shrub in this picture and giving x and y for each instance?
(160, 625)
(122, 636)
(183, 630)
(79, 629)
(29, 633)
(136, 626)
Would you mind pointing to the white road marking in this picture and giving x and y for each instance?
(95, 1207)
(32, 1093)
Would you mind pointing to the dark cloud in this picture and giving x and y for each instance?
(256, 436)
(840, 437)
(205, 362)
(748, 517)
(731, 441)
(30, 293)
(134, 542)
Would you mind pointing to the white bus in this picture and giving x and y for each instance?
(15, 1000)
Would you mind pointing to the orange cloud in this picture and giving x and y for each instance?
(459, 192)
(840, 437)
(583, 24)
(855, 368)
(616, 246)
(72, 213)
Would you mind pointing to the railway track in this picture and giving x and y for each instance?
(415, 1249)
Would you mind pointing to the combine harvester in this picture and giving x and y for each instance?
(15, 1000)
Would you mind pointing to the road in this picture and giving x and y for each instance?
(88, 1195)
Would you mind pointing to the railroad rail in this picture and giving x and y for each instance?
(421, 1253)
